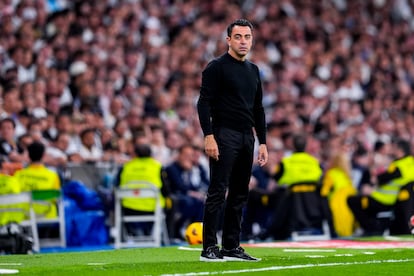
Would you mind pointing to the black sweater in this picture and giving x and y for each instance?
(231, 96)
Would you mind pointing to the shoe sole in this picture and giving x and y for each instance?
(204, 259)
(235, 259)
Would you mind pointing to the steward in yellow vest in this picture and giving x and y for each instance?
(9, 185)
(301, 208)
(297, 169)
(399, 173)
(142, 167)
(36, 176)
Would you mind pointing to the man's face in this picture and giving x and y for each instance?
(185, 158)
(240, 41)
(7, 131)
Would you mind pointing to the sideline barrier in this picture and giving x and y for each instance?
(93, 175)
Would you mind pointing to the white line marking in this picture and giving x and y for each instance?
(97, 263)
(189, 248)
(273, 268)
(15, 264)
(308, 250)
(9, 271)
(395, 238)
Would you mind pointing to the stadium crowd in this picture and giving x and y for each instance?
(91, 78)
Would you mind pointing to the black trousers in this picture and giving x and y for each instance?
(229, 187)
(365, 210)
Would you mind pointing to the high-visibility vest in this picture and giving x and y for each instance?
(337, 186)
(39, 177)
(334, 180)
(9, 185)
(387, 194)
(141, 169)
(300, 168)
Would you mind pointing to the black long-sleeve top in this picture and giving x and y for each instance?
(231, 96)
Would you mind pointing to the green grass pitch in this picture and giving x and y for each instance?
(184, 260)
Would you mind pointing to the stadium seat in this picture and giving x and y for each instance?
(323, 234)
(47, 197)
(20, 203)
(307, 218)
(157, 218)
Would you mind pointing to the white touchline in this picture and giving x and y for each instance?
(287, 267)
(307, 250)
(16, 264)
(189, 248)
(396, 238)
(8, 271)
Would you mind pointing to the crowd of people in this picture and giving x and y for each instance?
(92, 78)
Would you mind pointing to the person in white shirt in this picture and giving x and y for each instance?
(89, 150)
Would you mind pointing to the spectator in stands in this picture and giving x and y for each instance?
(381, 156)
(399, 173)
(11, 104)
(64, 124)
(115, 149)
(174, 140)
(361, 169)
(158, 144)
(35, 129)
(9, 150)
(89, 150)
(57, 151)
(122, 130)
(134, 117)
(188, 183)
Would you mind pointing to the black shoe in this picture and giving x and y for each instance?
(238, 254)
(211, 254)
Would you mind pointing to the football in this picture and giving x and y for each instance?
(194, 233)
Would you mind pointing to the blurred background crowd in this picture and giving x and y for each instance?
(89, 77)
(92, 78)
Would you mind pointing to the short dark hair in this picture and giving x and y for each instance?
(360, 151)
(143, 150)
(299, 142)
(404, 145)
(36, 151)
(239, 22)
(86, 131)
(8, 119)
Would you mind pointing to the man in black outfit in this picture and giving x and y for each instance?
(229, 108)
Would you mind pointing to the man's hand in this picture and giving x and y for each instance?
(262, 155)
(210, 146)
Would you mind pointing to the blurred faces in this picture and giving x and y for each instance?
(185, 157)
(7, 130)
